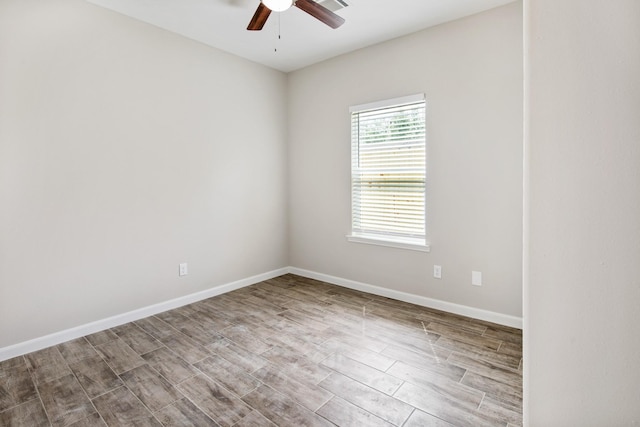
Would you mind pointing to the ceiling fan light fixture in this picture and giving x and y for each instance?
(278, 5)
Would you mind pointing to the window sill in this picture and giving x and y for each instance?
(413, 245)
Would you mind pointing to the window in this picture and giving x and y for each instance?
(388, 173)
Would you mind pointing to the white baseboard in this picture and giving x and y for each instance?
(463, 310)
(120, 319)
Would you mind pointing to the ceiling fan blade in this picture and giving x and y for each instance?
(320, 12)
(259, 18)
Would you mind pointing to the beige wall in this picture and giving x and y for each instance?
(125, 150)
(124, 153)
(582, 299)
(471, 73)
(116, 148)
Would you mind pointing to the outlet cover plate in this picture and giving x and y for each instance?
(437, 271)
(476, 278)
(183, 270)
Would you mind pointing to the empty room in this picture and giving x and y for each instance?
(316, 213)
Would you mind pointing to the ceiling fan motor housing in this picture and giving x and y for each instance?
(312, 7)
(278, 5)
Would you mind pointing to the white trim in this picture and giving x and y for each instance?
(392, 243)
(120, 319)
(410, 99)
(476, 313)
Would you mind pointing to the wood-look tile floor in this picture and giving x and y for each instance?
(289, 351)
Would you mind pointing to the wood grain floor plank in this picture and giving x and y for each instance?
(121, 408)
(422, 419)
(240, 356)
(254, 419)
(184, 413)
(218, 403)
(155, 327)
(150, 387)
(497, 409)
(511, 349)
(185, 347)
(299, 366)
(308, 395)
(46, 365)
(75, 350)
(358, 340)
(208, 319)
(386, 407)
(6, 366)
(434, 403)
(95, 376)
(361, 354)
(504, 333)
(197, 332)
(297, 350)
(298, 344)
(140, 341)
(479, 352)
(509, 376)
(288, 327)
(93, 420)
(437, 363)
(119, 356)
(244, 337)
(16, 384)
(444, 388)
(492, 387)
(360, 372)
(64, 400)
(168, 364)
(462, 335)
(274, 298)
(230, 375)
(430, 315)
(283, 411)
(423, 342)
(101, 337)
(345, 414)
(306, 320)
(28, 414)
(267, 306)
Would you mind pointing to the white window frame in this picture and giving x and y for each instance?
(383, 238)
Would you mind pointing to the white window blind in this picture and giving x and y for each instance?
(388, 172)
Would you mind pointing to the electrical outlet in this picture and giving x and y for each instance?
(476, 278)
(437, 271)
(183, 271)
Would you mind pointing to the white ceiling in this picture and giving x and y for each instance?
(304, 40)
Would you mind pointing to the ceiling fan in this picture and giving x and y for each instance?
(311, 7)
